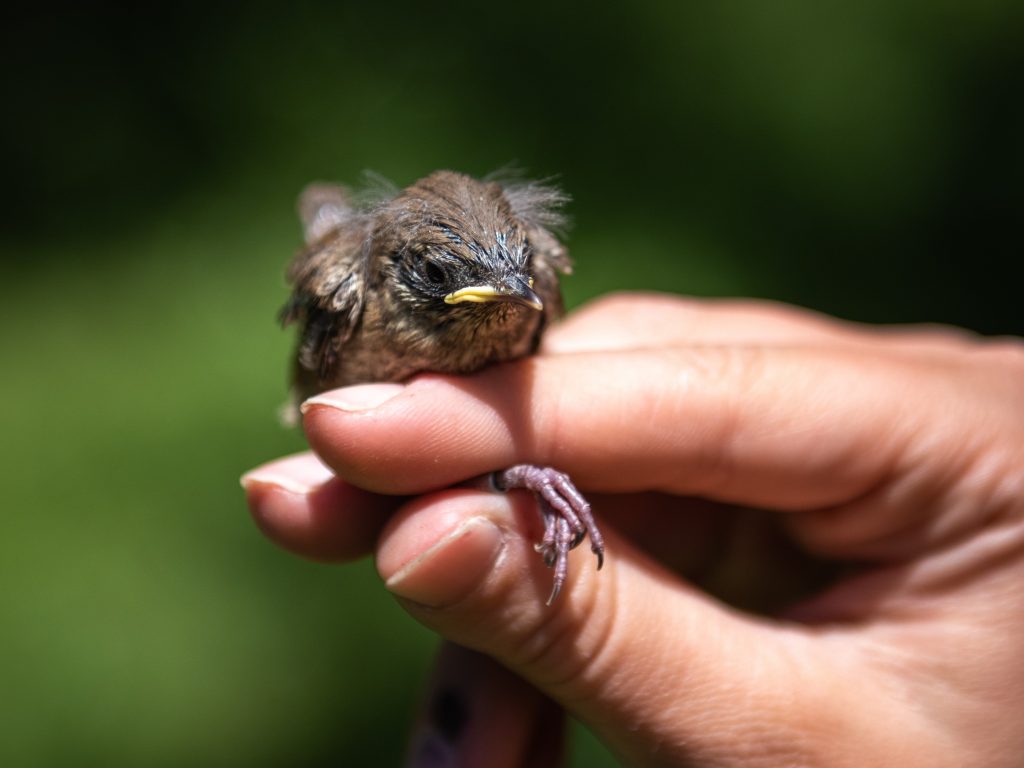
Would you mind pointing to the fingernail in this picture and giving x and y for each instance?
(296, 476)
(430, 578)
(436, 745)
(361, 397)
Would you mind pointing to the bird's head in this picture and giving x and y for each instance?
(453, 248)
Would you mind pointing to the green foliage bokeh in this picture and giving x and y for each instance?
(863, 159)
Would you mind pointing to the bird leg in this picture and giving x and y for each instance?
(566, 515)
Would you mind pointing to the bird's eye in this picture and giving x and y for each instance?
(434, 273)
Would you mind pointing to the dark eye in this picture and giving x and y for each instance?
(434, 273)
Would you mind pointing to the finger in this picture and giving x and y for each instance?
(301, 506)
(644, 320)
(780, 427)
(476, 712)
(658, 671)
(651, 320)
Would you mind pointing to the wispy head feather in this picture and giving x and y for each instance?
(538, 202)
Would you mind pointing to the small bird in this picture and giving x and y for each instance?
(448, 275)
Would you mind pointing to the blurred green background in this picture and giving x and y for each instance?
(863, 159)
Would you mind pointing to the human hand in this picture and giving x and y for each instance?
(732, 449)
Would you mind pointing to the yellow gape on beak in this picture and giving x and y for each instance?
(519, 294)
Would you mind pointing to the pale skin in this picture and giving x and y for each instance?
(858, 491)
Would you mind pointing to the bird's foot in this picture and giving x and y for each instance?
(566, 516)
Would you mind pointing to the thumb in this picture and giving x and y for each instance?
(658, 670)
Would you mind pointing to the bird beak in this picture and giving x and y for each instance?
(520, 293)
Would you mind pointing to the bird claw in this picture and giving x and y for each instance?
(566, 515)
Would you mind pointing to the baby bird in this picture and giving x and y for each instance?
(448, 275)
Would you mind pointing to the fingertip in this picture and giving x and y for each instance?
(300, 473)
(441, 547)
(396, 446)
(300, 505)
(466, 554)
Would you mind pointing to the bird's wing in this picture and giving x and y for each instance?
(328, 277)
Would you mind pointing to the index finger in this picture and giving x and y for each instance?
(774, 426)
